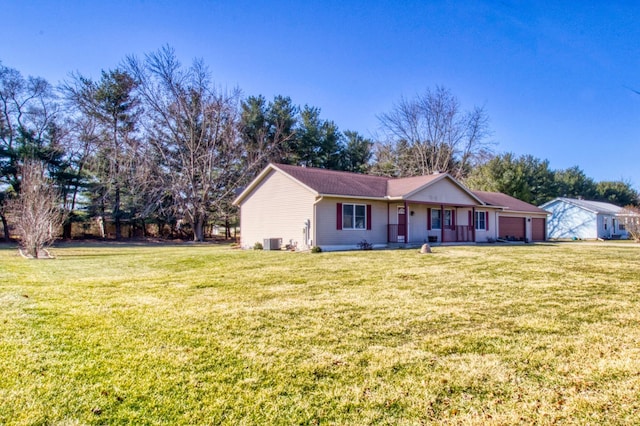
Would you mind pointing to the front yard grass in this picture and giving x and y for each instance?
(208, 335)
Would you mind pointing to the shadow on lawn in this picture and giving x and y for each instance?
(134, 243)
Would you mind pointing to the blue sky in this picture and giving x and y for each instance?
(554, 77)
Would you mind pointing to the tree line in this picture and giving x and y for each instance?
(531, 179)
(156, 141)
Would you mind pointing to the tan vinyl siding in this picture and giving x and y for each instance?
(277, 208)
(444, 191)
(417, 223)
(482, 235)
(328, 235)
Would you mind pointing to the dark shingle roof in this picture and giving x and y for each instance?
(510, 203)
(404, 186)
(331, 182)
(347, 184)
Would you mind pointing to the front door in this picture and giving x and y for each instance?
(402, 224)
(606, 233)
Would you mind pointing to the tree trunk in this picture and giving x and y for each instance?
(103, 222)
(116, 214)
(198, 229)
(5, 227)
(66, 230)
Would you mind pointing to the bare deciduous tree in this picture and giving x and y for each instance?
(37, 211)
(436, 133)
(193, 129)
(27, 113)
(630, 218)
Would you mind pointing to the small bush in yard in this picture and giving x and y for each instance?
(258, 246)
(316, 249)
(365, 245)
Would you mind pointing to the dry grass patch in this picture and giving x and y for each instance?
(207, 335)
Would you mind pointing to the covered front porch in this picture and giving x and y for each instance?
(419, 222)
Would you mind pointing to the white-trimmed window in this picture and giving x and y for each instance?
(354, 216)
(481, 220)
(448, 218)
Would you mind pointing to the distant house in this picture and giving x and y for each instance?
(304, 207)
(582, 219)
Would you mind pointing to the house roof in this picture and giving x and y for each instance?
(404, 186)
(508, 202)
(597, 207)
(331, 182)
(346, 184)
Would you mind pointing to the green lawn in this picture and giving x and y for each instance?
(202, 334)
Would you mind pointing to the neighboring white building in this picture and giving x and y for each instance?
(582, 219)
(304, 207)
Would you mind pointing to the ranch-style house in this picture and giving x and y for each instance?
(301, 207)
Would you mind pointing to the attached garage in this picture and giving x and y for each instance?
(538, 228)
(512, 228)
(517, 220)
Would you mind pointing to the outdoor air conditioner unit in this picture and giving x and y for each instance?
(272, 243)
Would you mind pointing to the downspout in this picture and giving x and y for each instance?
(314, 224)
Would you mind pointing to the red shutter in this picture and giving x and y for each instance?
(486, 220)
(429, 218)
(368, 217)
(339, 216)
(453, 219)
(471, 219)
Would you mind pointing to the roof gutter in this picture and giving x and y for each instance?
(353, 196)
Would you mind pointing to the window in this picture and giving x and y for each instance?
(621, 227)
(447, 219)
(435, 219)
(354, 216)
(481, 220)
